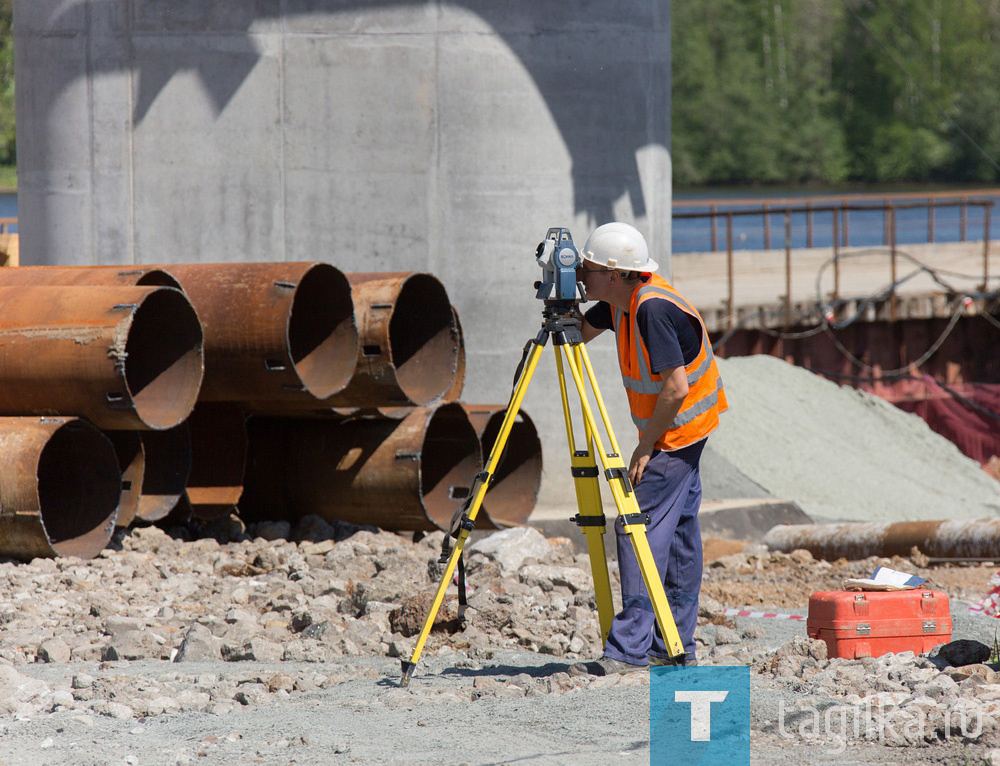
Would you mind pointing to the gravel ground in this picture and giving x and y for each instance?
(439, 719)
(283, 647)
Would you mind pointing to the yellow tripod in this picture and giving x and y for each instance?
(561, 321)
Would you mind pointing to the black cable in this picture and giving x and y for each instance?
(956, 314)
(825, 309)
(767, 331)
(971, 403)
(990, 318)
(885, 292)
(960, 275)
(881, 294)
(792, 335)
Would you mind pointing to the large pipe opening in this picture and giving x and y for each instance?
(516, 481)
(78, 490)
(158, 278)
(424, 339)
(268, 449)
(322, 333)
(450, 457)
(218, 458)
(403, 475)
(131, 463)
(168, 465)
(163, 359)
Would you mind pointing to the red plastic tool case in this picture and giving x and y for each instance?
(873, 623)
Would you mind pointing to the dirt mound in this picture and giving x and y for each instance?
(842, 454)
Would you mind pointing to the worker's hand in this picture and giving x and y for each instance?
(637, 464)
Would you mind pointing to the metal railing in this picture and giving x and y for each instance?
(840, 231)
(769, 205)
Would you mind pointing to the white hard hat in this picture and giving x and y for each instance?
(618, 246)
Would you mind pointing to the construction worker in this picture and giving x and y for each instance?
(675, 396)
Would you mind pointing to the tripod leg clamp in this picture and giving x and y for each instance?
(620, 473)
(463, 523)
(635, 518)
(585, 472)
(589, 521)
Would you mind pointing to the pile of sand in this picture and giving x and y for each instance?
(839, 453)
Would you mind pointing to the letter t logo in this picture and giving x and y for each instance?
(701, 711)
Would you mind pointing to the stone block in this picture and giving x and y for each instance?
(53, 650)
(199, 645)
(510, 547)
(548, 577)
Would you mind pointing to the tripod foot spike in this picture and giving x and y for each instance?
(407, 668)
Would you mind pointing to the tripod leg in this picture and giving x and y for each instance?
(481, 484)
(628, 508)
(590, 518)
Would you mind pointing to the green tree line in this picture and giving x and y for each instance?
(8, 146)
(828, 91)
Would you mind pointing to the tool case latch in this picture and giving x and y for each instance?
(861, 605)
(928, 603)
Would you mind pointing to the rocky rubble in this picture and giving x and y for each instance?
(301, 596)
(896, 699)
(324, 592)
(162, 624)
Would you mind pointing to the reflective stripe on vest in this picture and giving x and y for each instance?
(686, 416)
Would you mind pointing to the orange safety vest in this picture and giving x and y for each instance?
(706, 398)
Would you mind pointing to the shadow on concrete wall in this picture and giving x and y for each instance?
(630, 111)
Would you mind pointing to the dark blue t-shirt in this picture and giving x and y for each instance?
(672, 337)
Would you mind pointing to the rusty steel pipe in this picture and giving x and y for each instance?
(409, 474)
(961, 538)
(454, 393)
(218, 459)
(273, 331)
(122, 276)
(409, 342)
(409, 350)
(168, 464)
(516, 481)
(59, 488)
(132, 464)
(123, 357)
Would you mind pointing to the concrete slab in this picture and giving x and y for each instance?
(748, 519)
